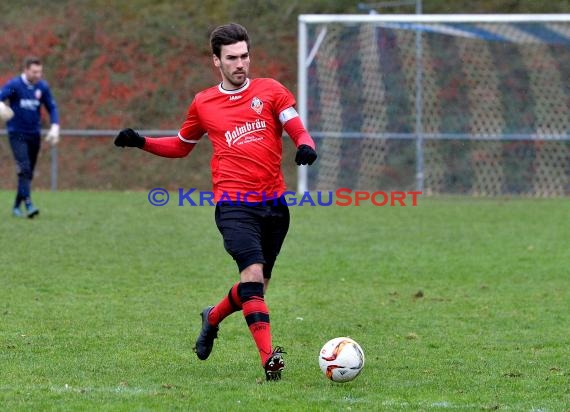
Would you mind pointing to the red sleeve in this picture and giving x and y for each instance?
(283, 98)
(181, 145)
(295, 128)
(192, 130)
(169, 146)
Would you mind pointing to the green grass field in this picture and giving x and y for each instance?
(458, 303)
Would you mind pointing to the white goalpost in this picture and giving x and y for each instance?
(466, 104)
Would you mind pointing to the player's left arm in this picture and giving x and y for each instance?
(50, 104)
(284, 104)
(292, 124)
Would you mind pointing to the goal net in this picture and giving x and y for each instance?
(454, 104)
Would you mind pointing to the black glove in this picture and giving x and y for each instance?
(306, 155)
(129, 138)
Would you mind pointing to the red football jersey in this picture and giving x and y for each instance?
(244, 128)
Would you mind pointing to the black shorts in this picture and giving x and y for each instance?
(253, 233)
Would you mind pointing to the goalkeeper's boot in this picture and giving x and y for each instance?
(205, 341)
(16, 212)
(32, 211)
(274, 365)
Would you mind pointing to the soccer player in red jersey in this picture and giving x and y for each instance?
(244, 119)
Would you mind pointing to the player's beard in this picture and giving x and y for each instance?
(236, 78)
(33, 76)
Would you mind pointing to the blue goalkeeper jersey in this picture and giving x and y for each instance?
(26, 99)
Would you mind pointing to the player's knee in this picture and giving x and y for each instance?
(252, 273)
(25, 172)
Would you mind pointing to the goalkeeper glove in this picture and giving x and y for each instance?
(6, 113)
(129, 138)
(306, 155)
(53, 134)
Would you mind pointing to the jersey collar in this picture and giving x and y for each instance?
(241, 89)
(26, 82)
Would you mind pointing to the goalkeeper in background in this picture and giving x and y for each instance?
(244, 119)
(25, 94)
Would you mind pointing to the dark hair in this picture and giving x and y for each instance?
(227, 34)
(28, 61)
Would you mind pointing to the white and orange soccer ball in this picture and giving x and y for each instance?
(341, 359)
(6, 113)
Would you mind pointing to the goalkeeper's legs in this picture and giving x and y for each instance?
(25, 149)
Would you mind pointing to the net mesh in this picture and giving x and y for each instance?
(494, 104)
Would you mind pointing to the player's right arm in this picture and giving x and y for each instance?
(6, 91)
(166, 146)
(6, 113)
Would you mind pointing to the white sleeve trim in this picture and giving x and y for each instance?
(287, 115)
(186, 140)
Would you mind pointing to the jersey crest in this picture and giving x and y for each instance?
(257, 105)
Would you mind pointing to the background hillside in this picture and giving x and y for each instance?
(113, 64)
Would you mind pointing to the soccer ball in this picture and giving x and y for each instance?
(341, 359)
(6, 113)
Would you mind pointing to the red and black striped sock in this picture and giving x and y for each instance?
(256, 315)
(229, 304)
